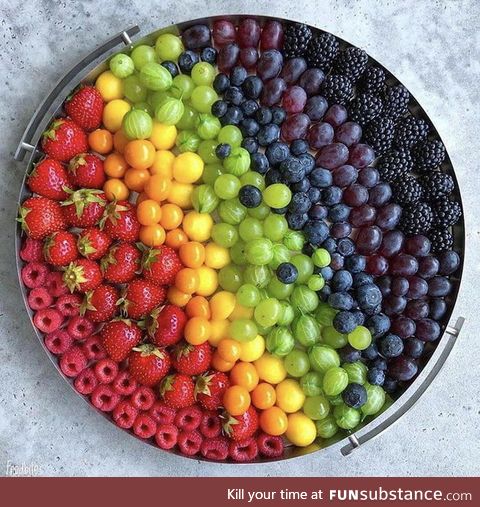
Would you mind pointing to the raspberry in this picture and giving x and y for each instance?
(166, 436)
(104, 398)
(269, 445)
(86, 381)
(105, 371)
(47, 320)
(162, 413)
(143, 398)
(69, 304)
(244, 450)
(188, 418)
(32, 250)
(189, 442)
(124, 384)
(54, 284)
(58, 342)
(144, 426)
(124, 414)
(80, 327)
(215, 448)
(39, 298)
(34, 274)
(93, 349)
(73, 361)
(210, 425)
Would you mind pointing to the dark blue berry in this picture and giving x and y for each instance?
(233, 95)
(221, 83)
(249, 107)
(233, 116)
(380, 363)
(371, 352)
(278, 115)
(354, 395)
(316, 232)
(301, 186)
(252, 87)
(346, 246)
(390, 346)
(337, 261)
(223, 150)
(321, 178)
(209, 55)
(259, 163)
(368, 296)
(298, 147)
(324, 293)
(345, 322)
(287, 272)
(332, 195)
(340, 301)
(219, 108)
(187, 60)
(268, 134)
(390, 385)
(238, 75)
(376, 377)
(296, 221)
(292, 170)
(308, 162)
(327, 273)
(355, 263)
(349, 355)
(378, 325)
(171, 67)
(342, 281)
(413, 347)
(314, 195)
(249, 127)
(277, 152)
(361, 278)
(339, 213)
(272, 176)
(300, 203)
(250, 196)
(330, 245)
(263, 116)
(318, 212)
(250, 144)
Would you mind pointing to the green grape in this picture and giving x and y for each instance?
(331, 337)
(280, 341)
(277, 195)
(321, 258)
(203, 73)
(208, 126)
(335, 400)
(260, 212)
(316, 282)
(304, 299)
(137, 124)
(170, 111)
(188, 119)
(243, 330)
(297, 363)
(267, 312)
(326, 428)
(141, 55)
(357, 372)
(263, 331)
(122, 66)
(259, 251)
(230, 278)
(375, 400)
(253, 178)
(230, 134)
(311, 383)
(155, 77)
(257, 275)
(238, 162)
(182, 87)
(335, 381)
(322, 358)
(346, 417)
(227, 186)
(204, 199)
(306, 330)
(187, 140)
(225, 235)
(250, 228)
(360, 338)
(325, 314)
(294, 240)
(237, 253)
(232, 211)
(316, 407)
(280, 254)
(133, 90)
(287, 314)
(155, 99)
(143, 106)
(304, 265)
(275, 227)
(211, 172)
(168, 47)
(279, 290)
(248, 295)
(206, 150)
(202, 98)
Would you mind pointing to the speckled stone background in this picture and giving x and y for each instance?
(432, 46)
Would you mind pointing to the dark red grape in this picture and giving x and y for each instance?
(272, 35)
(403, 327)
(377, 265)
(427, 330)
(368, 176)
(349, 133)
(332, 155)
(248, 33)
(249, 57)
(439, 286)
(341, 230)
(223, 32)
(273, 91)
(418, 245)
(315, 108)
(355, 195)
(388, 216)
(227, 56)
(384, 283)
(320, 135)
(295, 127)
(402, 368)
(269, 64)
(361, 155)
(403, 265)
(363, 216)
(368, 240)
(196, 37)
(294, 99)
(344, 175)
(293, 69)
(418, 287)
(449, 262)
(336, 115)
(394, 305)
(400, 286)
(417, 309)
(311, 81)
(428, 266)
(392, 243)
(380, 194)
(438, 307)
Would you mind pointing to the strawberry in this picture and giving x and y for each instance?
(148, 364)
(60, 248)
(50, 179)
(121, 263)
(64, 139)
(119, 336)
(161, 265)
(82, 275)
(210, 388)
(141, 297)
(120, 221)
(192, 359)
(40, 216)
(178, 390)
(166, 326)
(100, 304)
(86, 171)
(84, 207)
(85, 107)
(241, 427)
(93, 243)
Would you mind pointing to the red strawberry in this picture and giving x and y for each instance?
(210, 388)
(121, 263)
(64, 139)
(93, 243)
(192, 359)
(100, 304)
(178, 390)
(119, 337)
(85, 107)
(84, 207)
(161, 265)
(40, 216)
(141, 297)
(148, 364)
(82, 275)
(50, 179)
(60, 248)
(86, 171)
(243, 426)
(166, 326)
(120, 221)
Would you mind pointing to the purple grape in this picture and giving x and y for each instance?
(196, 37)
(363, 216)
(394, 305)
(227, 56)
(439, 286)
(311, 81)
(332, 155)
(361, 155)
(368, 177)
(223, 32)
(418, 245)
(403, 265)
(336, 115)
(269, 64)
(272, 35)
(368, 240)
(295, 127)
(402, 368)
(400, 286)
(418, 287)
(428, 266)
(377, 265)
(355, 195)
(384, 283)
(294, 99)
(248, 33)
(392, 243)
(438, 307)
(449, 262)
(315, 108)
(272, 91)
(341, 230)
(417, 309)
(403, 327)
(427, 330)
(349, 133)
(293, 69)
(413, 348)
(380, 194)
(344, 175)
(320, 135)
(388, 216)
(249, 57)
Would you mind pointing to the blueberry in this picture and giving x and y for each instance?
(378, 325)
(339, 213)
(287, 272)
(250, 144)
(355, 263)
(249, 127)
(308, 249)
(438, 307)
(354, 395)
(360, 278)
(340, 301)
(298, 147)
(348, 354)
(316, 232)
(250, 196)
(359, 315)
(171, 67)
(187, 60)
(278, 115)
(332, 195)
(390, 346)
(279, 211)
(345, 322)
(277, 152)
(296, 221)
(314, 194)
(368, 296)
(346, 246)
(380, 363)
(390, 385)
(292, 170)
(219, 108)
(324, 293)
(221, 83)
(316, 107)
(209, 55)
(413, 347)
(371, 352)
(268, 134)
(249, 107)
(330, 245)
(327, 273)
(307, 161)
(337, 261)
(233, 116)
(223, 150)
(300, 203)
(342, 281)
(263, 116)
(238, 75)
(321, 178)
(301, 186)
(317, 211)
(259, 163)
(376, 377)
(272, 176)
(233, 95)
(252, 87)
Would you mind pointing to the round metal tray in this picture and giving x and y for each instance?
(436, 354)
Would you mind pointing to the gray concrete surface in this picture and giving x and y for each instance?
(433, 46)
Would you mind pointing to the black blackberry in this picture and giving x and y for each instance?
(379, 134)
(337, 89)
(410, 131)
(351, 62)
(322, 50)
(416, 218)
(429, 155)
(365, 107)
(396, 99)
(394, 164)
(295, 40)
(441, 239)
(407, 190)
(372, 80)
(436, 185)
(446, 213)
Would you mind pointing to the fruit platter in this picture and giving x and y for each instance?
(240, 239)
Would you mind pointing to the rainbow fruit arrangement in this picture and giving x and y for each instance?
(212, 255)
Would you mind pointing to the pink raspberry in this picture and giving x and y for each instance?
(80, 327)
(58, 341)
(269, 445)
(210, 425)
(143, 398)
(47, 320)
(73, 361)
(144, 426)
(32, 250)
(215, 448)
(188, 418)
(162, 413)
(104, 398)
(124, 414)
(54, 284)
(69, 304)
(34, 274)
(243, 451)
(93, 348)
(189, 442)
(86, 381)
(166, 436)
(124, 383)
(105, 371)
(39, 298)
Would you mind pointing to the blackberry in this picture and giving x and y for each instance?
(337, 89)
(296, 39)
(446, 213)
(379, 134)
(407, 190)
(410, 131)
(416, 218)
(322, 50)
(441, 240)
(372, 80)
(436, 185)
(394, 164)
(429, 155)
(351, 62)
(365, 107)
(396, 99)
